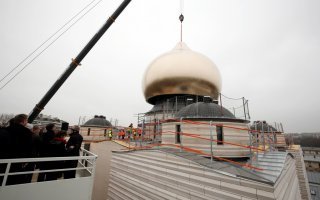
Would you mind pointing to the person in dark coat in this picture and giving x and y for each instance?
(56, 148)
(21, 147)
(47, 137)
(73, 147)
(36, 141)
(5, 142)
(4, 149)
(49, 134)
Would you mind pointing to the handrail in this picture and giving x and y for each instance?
(22, 160)
(88, 157)
(43, 171)
(88, 152)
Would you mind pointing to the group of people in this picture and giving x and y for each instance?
(18, 141)
(135, 133)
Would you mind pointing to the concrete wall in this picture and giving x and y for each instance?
(64, 189)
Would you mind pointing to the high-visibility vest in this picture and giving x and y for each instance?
(110, 133)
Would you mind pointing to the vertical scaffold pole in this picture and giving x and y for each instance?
(220, 104)
(142, 131)
(129, 138)
(211, 139)
(250, 141)
(263, 138)
(158, 132)
(257, 135)
(181, 146)
(248, 111)
(269, 138)
(244, 109)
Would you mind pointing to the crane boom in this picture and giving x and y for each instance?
(75, 62)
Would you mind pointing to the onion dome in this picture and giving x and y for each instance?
(181, 71)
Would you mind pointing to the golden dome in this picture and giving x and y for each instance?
(181, 71)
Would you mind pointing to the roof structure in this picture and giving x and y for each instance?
(204, 110)
(314, 177)
(312, 158)
(97, 121)
(314, 184)
(169, 173)
(271, 162)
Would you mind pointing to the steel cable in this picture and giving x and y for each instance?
(26, 65)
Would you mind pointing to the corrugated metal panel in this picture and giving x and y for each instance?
(272, 164)
(311, 158)
(221, 167)
(315, 192)
(157, 174)
(314, 177)
(160, 175)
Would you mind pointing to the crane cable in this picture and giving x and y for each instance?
(54, 34)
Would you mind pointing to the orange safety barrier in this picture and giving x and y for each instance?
(204, 123)
(198, 136)
(230, 143)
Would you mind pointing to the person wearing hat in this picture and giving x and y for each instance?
(73, 147)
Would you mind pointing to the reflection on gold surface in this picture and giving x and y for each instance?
(181, 85)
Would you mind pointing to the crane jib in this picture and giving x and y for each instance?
(75, 62)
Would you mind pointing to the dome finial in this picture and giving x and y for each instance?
(181, 18)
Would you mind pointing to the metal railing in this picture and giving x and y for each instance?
(86, 162)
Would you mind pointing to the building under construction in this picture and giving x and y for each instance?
(194, 147)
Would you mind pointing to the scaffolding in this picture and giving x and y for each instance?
(262, 136)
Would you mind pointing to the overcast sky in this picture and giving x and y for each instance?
(267, 51)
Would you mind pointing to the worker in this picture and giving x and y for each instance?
(110, 134)
(122, 134)
(139, 132)
(130, 130)
(134, 133)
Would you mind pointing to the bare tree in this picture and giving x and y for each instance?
(4, 119)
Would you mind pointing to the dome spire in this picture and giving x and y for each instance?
(181, 18)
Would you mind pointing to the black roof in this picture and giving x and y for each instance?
(205, 110)
(98, 121)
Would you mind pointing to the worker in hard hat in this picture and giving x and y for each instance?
(110, 134)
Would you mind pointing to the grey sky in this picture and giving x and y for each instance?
(267, 51)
